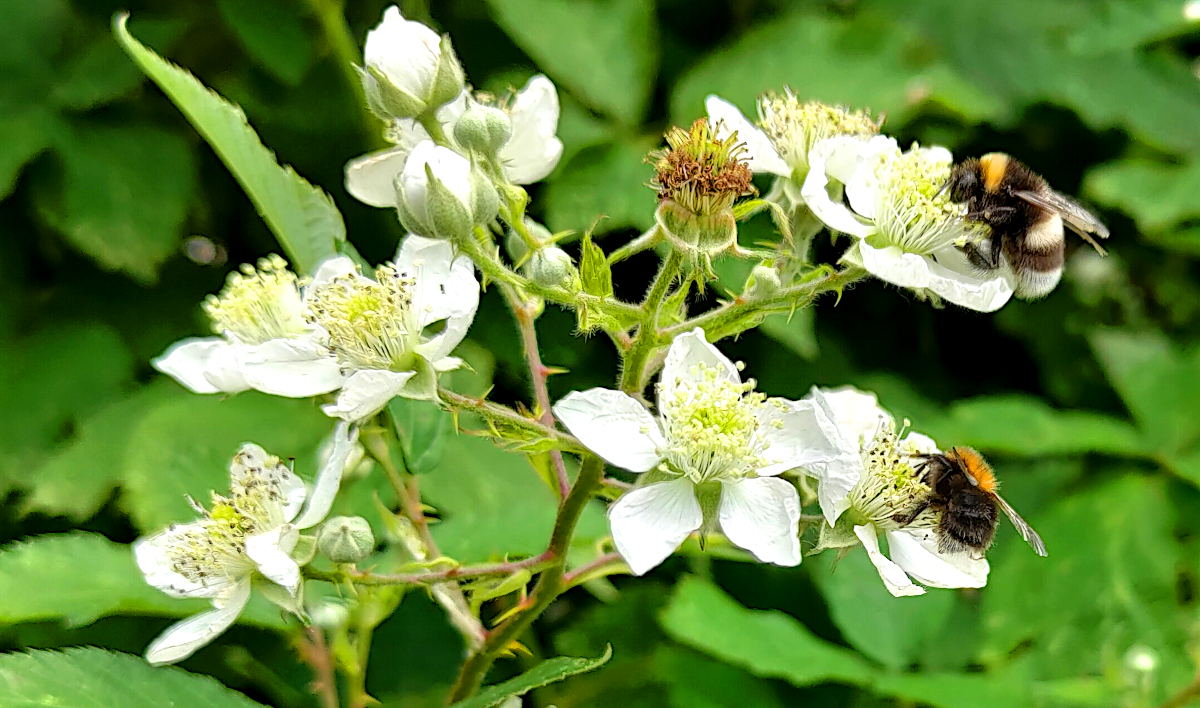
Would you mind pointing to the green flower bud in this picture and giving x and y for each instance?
(553, 268)
(763, 282)
(346, 539)
(483, 129)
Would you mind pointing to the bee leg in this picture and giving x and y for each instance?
(906, 519)
(978, 257)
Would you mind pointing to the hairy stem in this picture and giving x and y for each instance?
(320, 658)
(549, 585)
(606, 564)
(633, 377)
(644, 242)
(534, 563)
(503, 416)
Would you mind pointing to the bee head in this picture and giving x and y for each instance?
(965, 181)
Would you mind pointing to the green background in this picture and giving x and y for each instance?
(116, 219)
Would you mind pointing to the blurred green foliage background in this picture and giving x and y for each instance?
(116, 219)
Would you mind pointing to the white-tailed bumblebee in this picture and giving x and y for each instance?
(962, 489)
(1026, 219)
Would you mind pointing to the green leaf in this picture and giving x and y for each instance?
(764, 642)
(696, 681)
(27, 131)
(302, 217)
(1122, 25)
(95, 678)
(604, 51)
(79, 477)
(1158, 384)
(1028, 427)
(1157, 195)
(492, 503)
(1109, 581)
(81, 577)
(125, 195)
(183, 447)
(51, 379)
(605, 187)
(890, 630)
(862, 63)
(548, 672)
(594, 270)
(274, 34)
(423, 429)
(100, 72)
(956, 690)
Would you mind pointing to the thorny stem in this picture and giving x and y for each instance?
(534, 563)
(503, 415)
(608, 562)
(538, 373)
(633, 379)
(359, 698)
(318, 655)
(644, 242)
(549, 584)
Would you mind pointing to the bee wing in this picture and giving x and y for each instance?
(1031, 537)
(1079, 219)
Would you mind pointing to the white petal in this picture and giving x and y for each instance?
(761, 154)
(371, 179)
(203, 365)
(406, 52)
(365, 393)
(446, 290)
(687, 351)
(857, 413)
(182, 639)
(325, 488)
(838, 475)
(923, 444)
(296, 368)
(804, 440)
(251, 465)
(650, 522)
(909, 270)
(915, 550)
(762, 515)
(614, 426)
(329, 269)
(271, 551)
(897, 581)
(836, 159)
(153, 554)
(448, 167)
(533, 150)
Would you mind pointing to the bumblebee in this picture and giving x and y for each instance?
(962, 489)
(1026, 218)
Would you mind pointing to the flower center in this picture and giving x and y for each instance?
(371, 323)
(712, 426)
(699, 172)
(890, 485)
(794, 127)
(912, 211)
(257, 306)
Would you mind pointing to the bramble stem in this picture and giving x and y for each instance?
(534, 564)
(500, 415)
(318, 655)
(608, 562)
(633, 378)
(644, 242)
(549, 585)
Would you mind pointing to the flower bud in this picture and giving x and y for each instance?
(439, 195)
(762, 282)
(553, 268)
(346, 539)
(409, 69)
(483, 129)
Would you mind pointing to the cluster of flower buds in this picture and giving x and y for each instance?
(458, 153)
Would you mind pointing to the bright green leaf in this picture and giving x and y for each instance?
(862, 63)
(697, 681)
(1157, 195)
(95, 678)
(548, 672)
(274, 34)
(1159, 384)
(125, 195)
(1027, 426)
(890, 630)
(604, 186)
(604, 51)
(302, 217)
(79, 477)
(423, 429)
(1121, 25)
(764, 642)
(183, 447)
(492, 503)
(50, 380)
(956, 690)
(81, 577)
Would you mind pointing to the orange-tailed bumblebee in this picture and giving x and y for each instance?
(962, 488)
(1026, 218)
